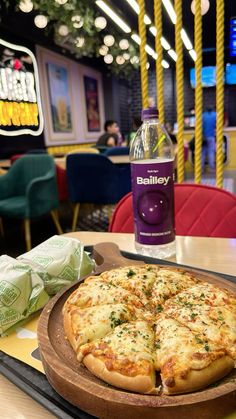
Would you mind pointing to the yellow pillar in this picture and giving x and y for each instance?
(159, 68)
(143, 55)
(179, 91)
(198, 91)
(219, 90)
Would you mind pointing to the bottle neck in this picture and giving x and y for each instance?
(151, 121)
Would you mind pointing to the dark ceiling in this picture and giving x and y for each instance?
(21, 25)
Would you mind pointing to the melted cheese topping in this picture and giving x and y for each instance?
(98, 292)
(179, 349)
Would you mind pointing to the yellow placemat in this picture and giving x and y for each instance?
(23, 344)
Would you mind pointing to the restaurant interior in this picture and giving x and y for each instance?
(81, 83)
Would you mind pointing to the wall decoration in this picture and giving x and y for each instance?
(59, 97)
(20, 104)
(72, 100)
(92, 104)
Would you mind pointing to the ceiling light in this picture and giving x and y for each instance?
(170, 10)
(193, 54)
(147, 20)
(108, 59)
(109, 40)
(120, 60)
(151, 51)
(100, 22)
(61, 1)
(153, 30)
(205, 4)
(113, 16)
(40, 21)
(126, 56)
(63, 30)
(134, 5)
(185, 39)
(173, 54)
(26, 6)
(147, 66)
(165, 43)
(124, 44)
(103, 50)
(165, 64)
(136, 38)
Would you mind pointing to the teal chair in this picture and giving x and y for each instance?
(29, 189)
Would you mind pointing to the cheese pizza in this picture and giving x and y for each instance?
(135, 326)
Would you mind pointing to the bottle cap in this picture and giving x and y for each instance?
(149, 113)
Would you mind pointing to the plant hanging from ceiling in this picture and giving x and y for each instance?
(79, 28)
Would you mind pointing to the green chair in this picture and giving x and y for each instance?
(28, 190)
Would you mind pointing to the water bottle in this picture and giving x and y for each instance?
(152, 171)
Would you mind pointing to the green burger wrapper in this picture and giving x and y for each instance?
(21, 293)
(58, 261)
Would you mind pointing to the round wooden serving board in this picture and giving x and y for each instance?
(77, 385)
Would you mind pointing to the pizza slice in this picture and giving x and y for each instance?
(218, 324)
(205, 293)
(169, 282)
(188, 360)
(83, 325)
(124, 358)
(136, 279)
(98, 292)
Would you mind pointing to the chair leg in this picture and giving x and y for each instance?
(55, 218)
(1, 228)
(27, 234)
(75, 216)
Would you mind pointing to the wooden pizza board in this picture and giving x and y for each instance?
(81, 388)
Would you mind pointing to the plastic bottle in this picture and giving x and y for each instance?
(152, 171)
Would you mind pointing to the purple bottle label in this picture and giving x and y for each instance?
(153, 202)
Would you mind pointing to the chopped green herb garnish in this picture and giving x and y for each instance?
(193, 315)
(130, 273)
(207, 347)
(157, 345)
(159, 308)
(198, 339)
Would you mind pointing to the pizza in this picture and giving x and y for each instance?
(152, 329)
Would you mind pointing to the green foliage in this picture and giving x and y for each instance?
(58, 14)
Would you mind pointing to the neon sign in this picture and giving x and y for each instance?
(20, 103)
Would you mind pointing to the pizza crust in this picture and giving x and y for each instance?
(68, 328)
(198, 379)
(139, 383)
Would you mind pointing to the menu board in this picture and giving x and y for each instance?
(20, 104)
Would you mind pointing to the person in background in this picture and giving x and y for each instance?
(170, 129)
(114, 138)
(136, 124)
(208, 132)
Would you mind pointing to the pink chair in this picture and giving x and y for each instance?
(200, 210)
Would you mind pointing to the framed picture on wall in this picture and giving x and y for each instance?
(92, 104)
(59, 106)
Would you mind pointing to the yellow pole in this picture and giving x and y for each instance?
(219, 90)
(179, 91)
(198, 91)
(143, 55)
(159, 68)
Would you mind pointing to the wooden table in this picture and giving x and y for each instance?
(217, 255)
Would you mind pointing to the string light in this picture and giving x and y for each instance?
(124, 44)
(205, 4)
(120, 60)
(77, 21)
(100, 22)
(103, 50)
(63, 30)
(26, 6)
(61, 1)
(109, 40)
(108, 59)
(79, 42)
(41, 21)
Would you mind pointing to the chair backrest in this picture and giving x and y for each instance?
(29, 167)
(84, 150)
(93, 178)
(117, 151)
(200, 210)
